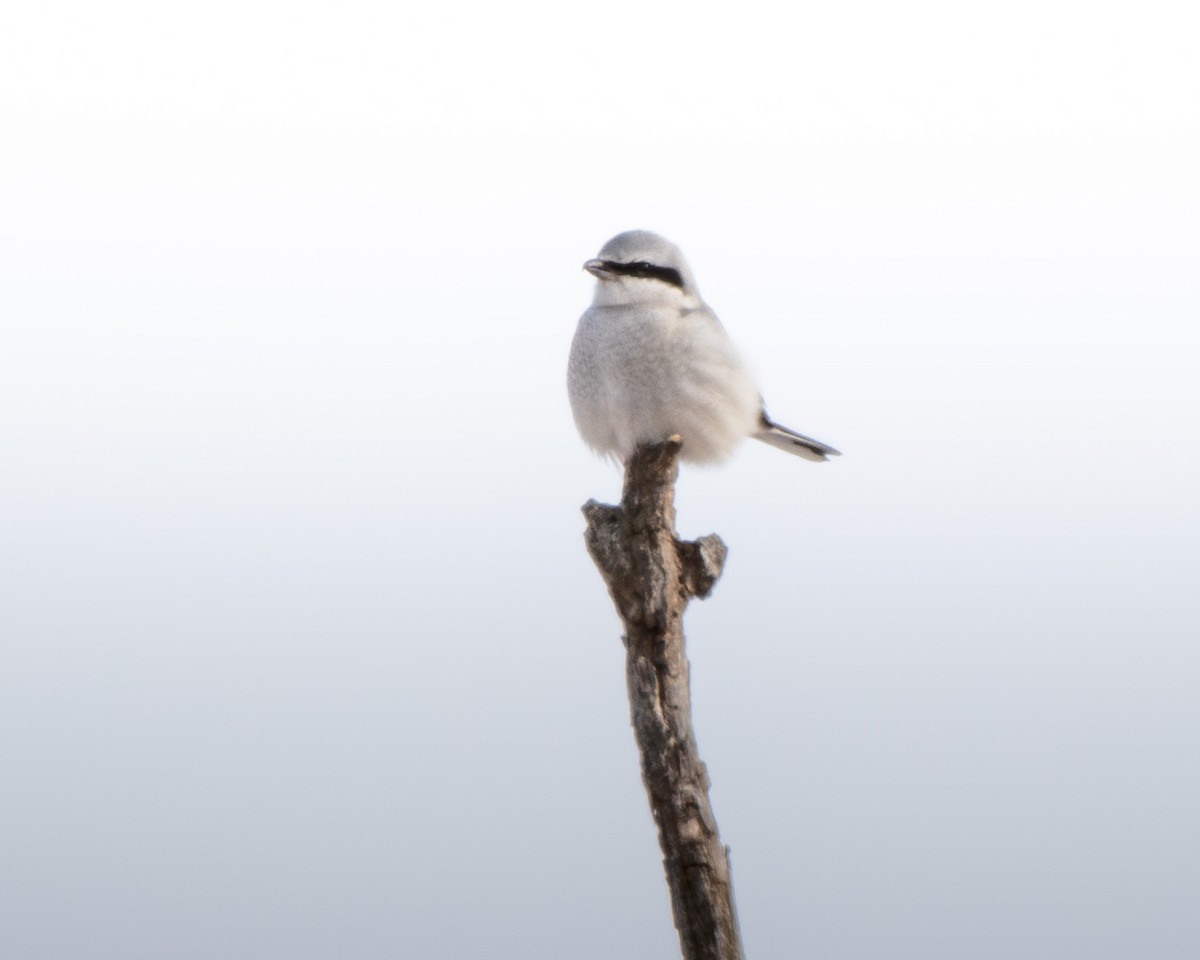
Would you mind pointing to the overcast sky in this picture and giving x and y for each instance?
(302, 655)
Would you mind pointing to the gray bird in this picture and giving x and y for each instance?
(650, 360)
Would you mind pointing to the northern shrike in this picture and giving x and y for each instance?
(650, 360)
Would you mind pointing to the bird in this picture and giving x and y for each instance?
(650, 360)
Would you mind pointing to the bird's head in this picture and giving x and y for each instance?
(639, 266)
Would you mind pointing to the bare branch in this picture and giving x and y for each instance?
(651, 576)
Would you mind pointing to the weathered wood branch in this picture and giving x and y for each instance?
(651, 576)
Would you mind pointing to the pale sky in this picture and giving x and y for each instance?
(303, 656)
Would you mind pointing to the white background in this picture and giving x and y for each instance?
(302, 655)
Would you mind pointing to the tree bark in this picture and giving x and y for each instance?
(651, 576)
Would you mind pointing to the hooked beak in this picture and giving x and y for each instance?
(598, 269)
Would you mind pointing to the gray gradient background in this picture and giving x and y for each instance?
(302, 654)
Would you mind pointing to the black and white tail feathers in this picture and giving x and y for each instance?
(785, 439)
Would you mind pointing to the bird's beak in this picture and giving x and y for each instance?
(598, 269)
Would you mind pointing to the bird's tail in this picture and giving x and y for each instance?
(785, 439)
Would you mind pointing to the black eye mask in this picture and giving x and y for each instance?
(640, 268)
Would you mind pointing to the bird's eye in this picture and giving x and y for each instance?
(645, 270)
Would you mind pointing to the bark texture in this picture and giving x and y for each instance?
(651, 576)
